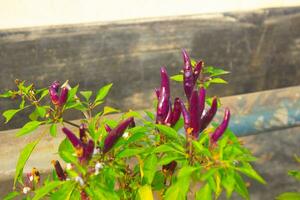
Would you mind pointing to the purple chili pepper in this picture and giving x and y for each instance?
(63, 96)
(72, 137)
(107, 128)
(202, 94)
(115, 134)
(188, 76)
(176, 111)
(169, 167)
(164, 97)
(221, 128)
(197, 71)
(53, 89)
(59, 170)
(82, 134)
(88, 150)
(168, 119)
(186, 115)
(157, 93)
(209, 115)
(195, 113)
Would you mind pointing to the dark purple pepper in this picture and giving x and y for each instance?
(72, 137)
(195, 113)
(107, 128)
(202, 94)
(55, 85)
(82, 134)
(157, 93)
(53, 96)
(188, 75)
(209, 115)
(169, 168)
(186, 116)
(221, 128)
(197, 71)
(176, 111)
(59, 170)
(116, 133)
(63, 96)
(88, 150)
(168, 119)
(164, 97)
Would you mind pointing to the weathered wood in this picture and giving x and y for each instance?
(261, 49)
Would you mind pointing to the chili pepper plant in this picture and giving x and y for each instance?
(175, 151)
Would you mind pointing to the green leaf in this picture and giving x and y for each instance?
(158, 181)
(53, 130)
(72, 92)
(29, 127)
(213, 71)
(178, 77)
(11, 195)
(228, 182)
(102, 93)
(204, 193)
(186, 171)
(86, 94)
(167, 159)
(167, 131)
(65, 191)
(145, 193)
(149, 168)
(217, 80)
(41, 111)
(174, 192)
(45, 92)
(7, 94)
(109, 110)
(150, 115)
(24, 156)
(46, 189)
(167, 148)
(247, 169)
(66, 147)
(240, 186)
(289, 196)
(295, 174)
(9, 114)
(129, 152)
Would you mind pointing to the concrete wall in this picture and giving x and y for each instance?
(28, 13)
(261, 48)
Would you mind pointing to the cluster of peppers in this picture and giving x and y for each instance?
(84, 147)
(195, 117)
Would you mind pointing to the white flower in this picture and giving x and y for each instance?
(98, 166)
(125, 135)
(69, 166)
(26, 190)
(96, 151)
(79, 180)
(31, 178)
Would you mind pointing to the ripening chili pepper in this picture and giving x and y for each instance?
(163, 97)
(63, 96)
(84, 151)
(221, 128)
(59, 170)
(197, 70)
(169, 168)
(116, 133)
(188, 77)
(58, 100)
(209, 115)
(107, 128)
(176, 111)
